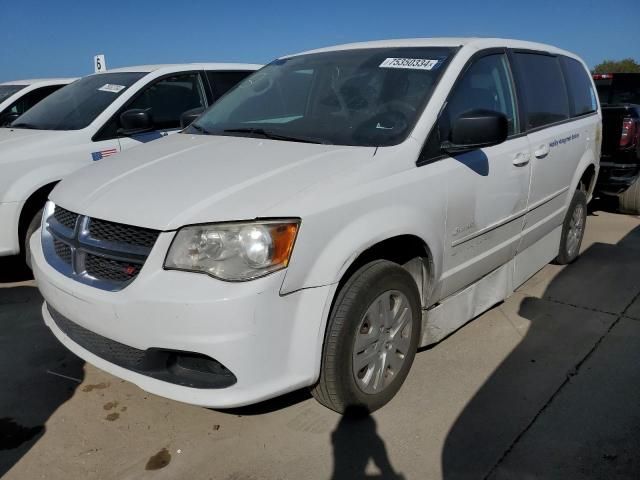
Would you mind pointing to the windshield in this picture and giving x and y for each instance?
(7, 90)
(367, 97)
(76, 105)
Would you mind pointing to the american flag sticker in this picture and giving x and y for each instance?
(103, 154)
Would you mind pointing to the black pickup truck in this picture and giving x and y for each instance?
(620, 160)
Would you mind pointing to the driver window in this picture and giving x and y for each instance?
(169, 98)
(485, 85)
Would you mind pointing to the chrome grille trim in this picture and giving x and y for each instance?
(105, 264)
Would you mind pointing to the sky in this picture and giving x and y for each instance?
(60, 37)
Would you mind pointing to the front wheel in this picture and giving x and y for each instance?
(573, 229)
(371, 339)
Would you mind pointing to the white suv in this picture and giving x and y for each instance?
(337, 210)
(91, 119)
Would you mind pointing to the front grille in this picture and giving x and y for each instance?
(63, 251)
(104, 254)
(119, 233)
(187, 369)
(112, 270)
(65, 217)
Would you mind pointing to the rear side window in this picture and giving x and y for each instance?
(583, 98)
(222, 82)
(545, 93)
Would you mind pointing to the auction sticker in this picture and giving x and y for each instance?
(411, 63)
(110, 87)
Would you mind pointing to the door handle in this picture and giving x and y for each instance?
(521, 159)
(542, 151)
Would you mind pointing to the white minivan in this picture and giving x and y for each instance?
(18, 96)
(333, 213)
(91, 119)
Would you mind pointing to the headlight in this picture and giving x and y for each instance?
(236, 251)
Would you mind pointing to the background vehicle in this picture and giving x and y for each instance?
(92, 119)
(620, 163)
(18, 96)
(335, 211)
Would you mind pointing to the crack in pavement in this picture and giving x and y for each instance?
(572, 373)
(588, 309)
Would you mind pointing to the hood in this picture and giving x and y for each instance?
(185, 179)
(19, 143)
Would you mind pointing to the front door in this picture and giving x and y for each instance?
(166, 100)
(487, 188)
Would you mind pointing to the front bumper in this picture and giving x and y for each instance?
(271, 343)
(9, 216)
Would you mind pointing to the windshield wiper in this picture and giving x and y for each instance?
(23, 125)
(275, 136)
(200, 129)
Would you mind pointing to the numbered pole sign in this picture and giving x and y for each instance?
(99, 64)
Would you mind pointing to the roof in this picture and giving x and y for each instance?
(44, 81)
(187, 66)
(475, 42)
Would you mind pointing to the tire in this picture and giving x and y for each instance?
(33, 226)
(629, 201)
(573, 229)
(390, 346)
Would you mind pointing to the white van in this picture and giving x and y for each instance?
(91, 119)
(18, 96)
(337, 210)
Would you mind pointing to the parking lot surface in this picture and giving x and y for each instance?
(544, 385)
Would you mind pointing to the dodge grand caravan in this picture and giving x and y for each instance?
(334, 212)
(93, 119)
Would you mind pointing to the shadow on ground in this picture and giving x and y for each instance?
(557, 406)
(356, 443)
(269, 406)
(37, 373)
(604, 203)
(13, 269)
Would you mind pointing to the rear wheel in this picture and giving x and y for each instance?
(573, 229)
(630, 199)
(33, 226)
(371, 339)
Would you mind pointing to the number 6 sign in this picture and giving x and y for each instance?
(99, 64)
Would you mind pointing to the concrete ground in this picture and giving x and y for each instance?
(545, 385)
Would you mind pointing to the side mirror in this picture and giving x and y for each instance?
(476, 129)
(135, 121)
(189, 116)
(8, 119)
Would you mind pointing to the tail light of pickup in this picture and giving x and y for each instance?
(630, 132)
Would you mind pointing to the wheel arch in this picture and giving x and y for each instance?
(34, 202)
(587, 180)
(585, 175)
(403, 249)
